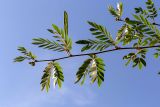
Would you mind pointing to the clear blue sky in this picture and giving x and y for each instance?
(22, 20)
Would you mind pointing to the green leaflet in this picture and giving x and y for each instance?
(103, 38)
(22, 50)
(94, 67)
(139, 10)
(27, 55)
(157, 53)
(65, 23)
(19, 59)
(62, 41)
(50, 30)
(54, 70)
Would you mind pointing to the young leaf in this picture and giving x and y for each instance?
(99, 63)
(62, 43)
(83, 70)
(53, 68)
(26, 55)
(120, 8)
(116, 12)
(113, 11)
(94, 67)
(45, 80)
(57, 74)
(22, 50)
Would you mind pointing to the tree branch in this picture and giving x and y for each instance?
(156, 24)
(95, 53)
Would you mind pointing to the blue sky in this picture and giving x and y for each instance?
(20, 21)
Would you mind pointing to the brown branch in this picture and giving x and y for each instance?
(95, 53)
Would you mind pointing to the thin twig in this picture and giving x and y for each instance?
(156, 24)
(121, 20)
(95, 53)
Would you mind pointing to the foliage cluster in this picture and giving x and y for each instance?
(139, 33)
